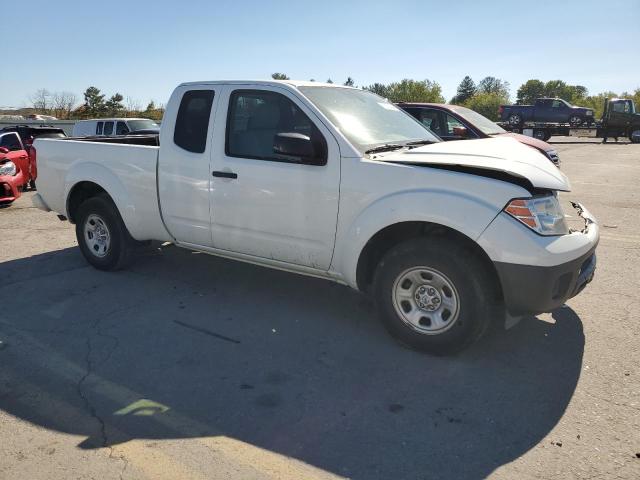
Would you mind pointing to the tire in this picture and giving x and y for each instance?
(515, 119)
(576, 120)
(32, 184)
(467, 293)
(102, 236)
(634, 136)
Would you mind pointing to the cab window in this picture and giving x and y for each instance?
(99, 127)
(11, 142)
(192, 121)
(121, 128)
(256, 117)
(108, 128)
(431, 119)
(621, 107)
(452, 123)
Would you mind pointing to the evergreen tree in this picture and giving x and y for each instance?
(114, 106)
(94, 105)
(279, 76)
(466, 90)
(350, 82)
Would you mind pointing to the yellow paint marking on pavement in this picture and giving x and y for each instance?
(273, 464)
(142, 407)
(155, 464)
(153, 461)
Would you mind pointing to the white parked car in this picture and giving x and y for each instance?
(109, 127)
(337, 183)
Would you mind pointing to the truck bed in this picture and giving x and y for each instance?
(125, 165)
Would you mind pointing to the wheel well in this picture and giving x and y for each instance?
(79, 193)
(392, 235)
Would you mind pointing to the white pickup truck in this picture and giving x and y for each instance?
(337, 183)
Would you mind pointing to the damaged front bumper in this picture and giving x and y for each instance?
(533, 289)
(11, 187)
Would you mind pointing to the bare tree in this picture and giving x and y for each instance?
(41, 101)
(70, 100)
(62, 103)
(133, 106)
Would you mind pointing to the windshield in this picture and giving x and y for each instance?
(142, 125)
(366, 119)
(481, 122)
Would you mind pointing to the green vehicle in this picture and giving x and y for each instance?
(619, 120)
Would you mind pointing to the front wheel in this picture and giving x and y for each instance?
(434, 295)
(102, 236)
(634, 137)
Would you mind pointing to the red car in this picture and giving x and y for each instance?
(18, 168)
(15, 167)
(453, 122)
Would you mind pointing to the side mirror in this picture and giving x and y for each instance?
(297, 147)
(461, 132)
(4, 150)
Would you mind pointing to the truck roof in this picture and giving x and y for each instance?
(292, 83)
(113, 119)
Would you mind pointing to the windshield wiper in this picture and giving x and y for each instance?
(387, 147)
(419, 142)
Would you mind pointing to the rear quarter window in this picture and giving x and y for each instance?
(192, 122)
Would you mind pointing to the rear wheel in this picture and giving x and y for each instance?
(515, 119)
(634, 137)
(102, 236)
(576, 120)
(433, 295)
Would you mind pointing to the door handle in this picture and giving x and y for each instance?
(224, 174)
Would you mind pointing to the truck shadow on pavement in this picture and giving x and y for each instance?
(190, 346)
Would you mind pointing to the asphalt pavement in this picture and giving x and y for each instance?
(189, 366)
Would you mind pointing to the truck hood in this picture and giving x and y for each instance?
(505, 156)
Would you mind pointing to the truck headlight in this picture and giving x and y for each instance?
(8, 168)
(589, 113)
(543, 215)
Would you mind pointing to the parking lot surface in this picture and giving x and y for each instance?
(190, 366)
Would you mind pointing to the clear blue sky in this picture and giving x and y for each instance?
(144, 48)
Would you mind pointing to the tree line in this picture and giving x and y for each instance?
(485, 97)
(63, 105)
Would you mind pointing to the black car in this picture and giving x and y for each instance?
(28, 133)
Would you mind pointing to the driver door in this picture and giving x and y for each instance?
(262, 204)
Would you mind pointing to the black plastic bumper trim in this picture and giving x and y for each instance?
(530, 290)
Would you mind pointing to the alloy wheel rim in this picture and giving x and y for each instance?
(97, 235)
(426, 300)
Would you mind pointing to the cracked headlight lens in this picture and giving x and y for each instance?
(543, 215)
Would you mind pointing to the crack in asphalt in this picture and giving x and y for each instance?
(90, 368)
(88, 405)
